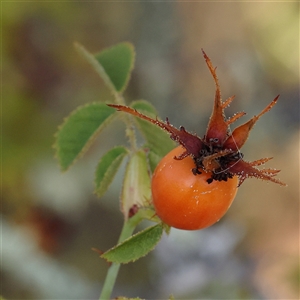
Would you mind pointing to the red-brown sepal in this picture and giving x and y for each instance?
(217, 128)
(192, 143)
(240, 134)
(218, 151)
(245, 170)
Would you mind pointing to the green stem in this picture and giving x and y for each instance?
(130, 132)
(113, 270)
(109, 281)
(130, 224)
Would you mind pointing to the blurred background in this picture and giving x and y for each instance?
(50, 221)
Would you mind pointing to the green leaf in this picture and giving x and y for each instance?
(136, 246)
(154, 159)
(79, 130)
(90, 58)
(158, 140)
(136, 187)
(117, 62)
(107, 168)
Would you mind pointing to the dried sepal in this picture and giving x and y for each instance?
(211, 162)
(218, 151)
(235, 117)
(261, 161)
(227, 102)
(240, 134)
(190, 142)
(217, 128)
(246, 170)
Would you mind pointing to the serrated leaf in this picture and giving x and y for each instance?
(136, 187)
(78, 131)
(158, 141)
(117, 61)
(90, 58)
(108, 167)
(136, 246)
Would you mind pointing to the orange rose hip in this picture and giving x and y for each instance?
(187, 201)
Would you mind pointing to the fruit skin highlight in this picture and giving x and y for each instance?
(187, 201)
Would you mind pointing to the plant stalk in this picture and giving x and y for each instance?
(113, 270)
(130, 131)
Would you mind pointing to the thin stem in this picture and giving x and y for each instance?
(130, 224)
(130, 132)
(113, 270)
(109, 282)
